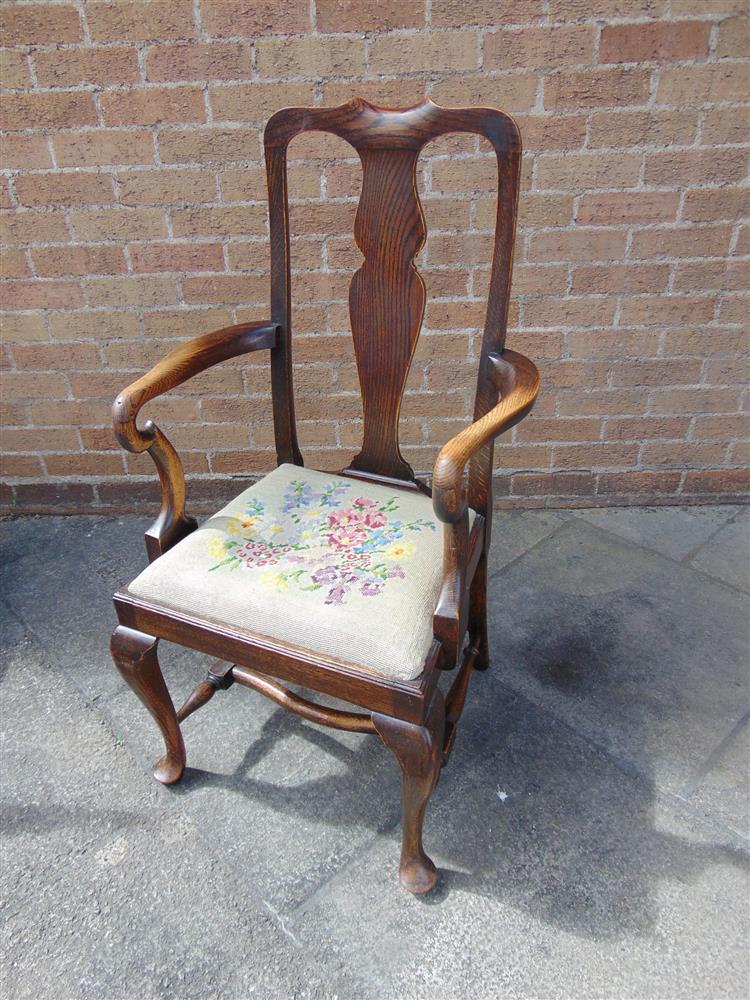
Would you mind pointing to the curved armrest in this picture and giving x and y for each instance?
(178, 366)
(517, 382)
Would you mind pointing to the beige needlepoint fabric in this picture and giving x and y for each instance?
(344, 568)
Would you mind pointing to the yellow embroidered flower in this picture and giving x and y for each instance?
(399, 550)
(217, 548)
(275, 529)
(271, 578)
(234, 526)
(248, 523)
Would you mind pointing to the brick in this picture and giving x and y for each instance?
(721, 427)
(53, 357)
(641, 428)
(153, 105)
(682, 241)
(206, 145)
(718, 481)
(702, 84)
(512, 91)
(451, 50)
(13, 263)
(636, 128)
(29, 439)
(6, 198)
(166, 187)
(65, 189)
(24, 151)
(556, 312)
(254, 17)
(669, 309)
(661, 40)
(119, 224)
(587, 170)
(27, 385)
(724, 125)
(24, 226)
(386, 92)
(248, 183)
(686, 8)
(705, 342)
(198, 61)
(695, 400)
(131, 291)
(596, 88)
(21, 466)
(256, 101)
(221, 221)
(353, 15)
(469, 174)
(455, 13)
(678, 454)
(23, 327)
(615, 279)
(721, 275)
(638, 483)
(548, 132)
(310, 56)
(98, 66)
(734, 309)
(535, 210)
(61, 109)
(595, 456)
(560, 484)
(39, 24)
(105, 146)
(569, 429)
(58, 261)
(140, 20)
(578, 244)
(524, 47)
(225, 288)
(656, 371)
(94, 325)
(90, 464)
(710, 205)
(734, 38)
(14, 70)
(701, 166)
(36, 294)
(624, 207)
(568, 10)
(54, 497)
(177, 257)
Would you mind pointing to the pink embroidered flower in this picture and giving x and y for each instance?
(344, 518)
(345, 537)
(364, 502)
(376, 519)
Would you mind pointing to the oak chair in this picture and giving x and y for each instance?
(361, 584)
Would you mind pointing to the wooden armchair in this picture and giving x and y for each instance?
(297, 577)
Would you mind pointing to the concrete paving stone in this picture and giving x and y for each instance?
(673, 531)
(105, 892)
(727, 555)
(561, 876)
(723, 792)
(619, 643)
(516, 531)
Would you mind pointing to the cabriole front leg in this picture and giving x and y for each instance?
(135, 657)
(418, 750)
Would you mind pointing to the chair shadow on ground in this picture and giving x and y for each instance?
(577, 843)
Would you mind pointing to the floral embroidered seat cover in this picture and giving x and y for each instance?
(321, 562)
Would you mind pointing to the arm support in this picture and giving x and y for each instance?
(177, 367)
(517, 382)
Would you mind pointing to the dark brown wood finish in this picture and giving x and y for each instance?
(387, 299)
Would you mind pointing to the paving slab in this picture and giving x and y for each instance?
(727, 555)
(641, 654)
(104, 891)
(675, 532)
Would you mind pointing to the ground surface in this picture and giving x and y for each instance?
(591, 829)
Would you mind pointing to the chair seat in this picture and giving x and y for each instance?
(340, 567)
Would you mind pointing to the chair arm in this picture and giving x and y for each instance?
(517, 382)
(178, 366)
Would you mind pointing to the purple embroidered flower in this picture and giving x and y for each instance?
(336, 595)
(371, 588)
(396, 571)
(325, 575)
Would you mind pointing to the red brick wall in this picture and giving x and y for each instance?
(134, 214)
